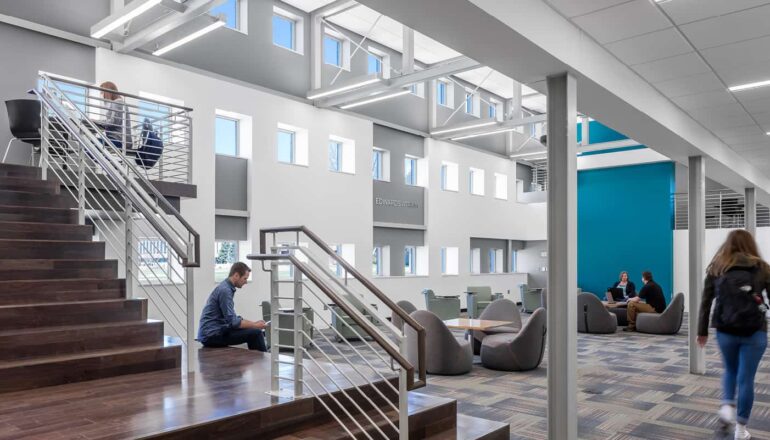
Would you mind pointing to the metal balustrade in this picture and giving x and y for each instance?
(363, 393)
(154, 244)
(724, 209)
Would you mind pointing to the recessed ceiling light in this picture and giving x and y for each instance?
(197, 34)
(753, 85)
(662, 1)
(377, 98)
(134, 10)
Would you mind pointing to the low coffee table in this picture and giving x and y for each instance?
(474, 324)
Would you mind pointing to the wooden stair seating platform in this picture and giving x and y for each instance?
(64, 315)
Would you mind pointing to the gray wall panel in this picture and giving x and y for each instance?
(231, 183)
(398, 239)
(230, 228)
(399, 144)
(76, 16)
(24, 53)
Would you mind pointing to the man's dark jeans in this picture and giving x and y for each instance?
(255, 338)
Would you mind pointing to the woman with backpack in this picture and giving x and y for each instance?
(736, 278)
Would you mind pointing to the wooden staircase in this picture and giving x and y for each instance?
(64, 315)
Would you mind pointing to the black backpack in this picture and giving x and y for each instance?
(740, 309)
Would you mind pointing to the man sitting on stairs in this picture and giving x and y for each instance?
(220, 326)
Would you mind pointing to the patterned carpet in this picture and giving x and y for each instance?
(630, 386)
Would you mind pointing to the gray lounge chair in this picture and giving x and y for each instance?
(500, 310)
(286, 338)
(345, 325)
(531, 299)
(407, 307)
(667, 323)
(479, 297)
(593, 317)
(445, 307)
(517, 351)
(445, 354)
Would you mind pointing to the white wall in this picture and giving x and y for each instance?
(714, 239)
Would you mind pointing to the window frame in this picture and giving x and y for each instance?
(412, 252)
(471, 188)
(216, 254)
(237, 136)
(293, 151)
(339, 154)
(379, 175)
(414, 166)
(445, 84)
(293, 23)
(241, 17)
(377, 261)
(340, 50)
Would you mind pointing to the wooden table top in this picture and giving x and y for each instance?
(615, 304)
(474, 324)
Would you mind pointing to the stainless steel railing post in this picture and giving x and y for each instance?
(299, 338)
(403, 397)
(81, 185)
(190, 310)
(275, 370)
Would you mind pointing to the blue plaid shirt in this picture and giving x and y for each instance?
(219, 315)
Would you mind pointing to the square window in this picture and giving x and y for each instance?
(476, 181)
(226, 136)
(374, 64)
(410, 171)
(335, 156)
(449, 176)
(225, 255)
(286, 146)
(410, 260)
(284, 32)
(501, 186)
(332, 51)
(228, 9)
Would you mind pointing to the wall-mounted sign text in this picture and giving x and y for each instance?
(395, 203)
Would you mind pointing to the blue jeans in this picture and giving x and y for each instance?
(740, 356)
(255, 338)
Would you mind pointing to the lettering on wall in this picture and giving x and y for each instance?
(395, 203)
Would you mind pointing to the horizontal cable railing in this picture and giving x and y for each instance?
(155, 135)
(155, 246)
(724, 209)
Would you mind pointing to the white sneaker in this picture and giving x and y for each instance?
(727, 414)
(741, 433)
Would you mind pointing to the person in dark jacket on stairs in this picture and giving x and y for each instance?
(220, 326)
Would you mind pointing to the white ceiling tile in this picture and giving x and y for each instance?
(755, 106)
(701, 100)
(761, 146)
(685, 11)
(623, 21)
(743, 74)
(745, 130)
(572, 8)
(762, 118)
(673, 67)
(308, 5)
(690, 85)
(650, 47)
(756, 137)
(738, 54)
(730, 28)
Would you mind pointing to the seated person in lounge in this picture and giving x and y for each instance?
(220, 326)
(652, 294)
(624, 284)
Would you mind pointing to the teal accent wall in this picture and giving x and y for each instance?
(625, 223)
(598, 133)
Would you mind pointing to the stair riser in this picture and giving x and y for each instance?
(45, 231)
(7, 170)
(38, 215)
(57, 269)
(57, 274)
(23, 297)
(60, 342)
(35, 287)
(51, 315)
(98, 367)
(29, 185)
(38, 200)
(10, 249)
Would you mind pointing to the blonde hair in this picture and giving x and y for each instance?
(739, 242)
(109, 85)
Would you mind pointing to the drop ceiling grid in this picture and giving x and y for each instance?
(732, 37)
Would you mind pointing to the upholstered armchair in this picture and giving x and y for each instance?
(445, 307)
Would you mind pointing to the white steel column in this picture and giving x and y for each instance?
(562, 257)
(696, 215)
(407, 54)
(584, 131)
(316, 50)
(750, 201)
(513, 112)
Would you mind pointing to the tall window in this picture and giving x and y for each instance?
(410, 260)
(469, 103)
(378, 165)
(225, 255)
(442, 93)
(443, 260)
(226, 136)
(228, 9)
(377, 261)
(410, 171)
(335, 156)
(476, 181)
(284, 32)
(475, 260)
(514, 265)
(332, 51)
(449, 176)
(449, 260)
(501, 186)
(374, 63)
(157, 262)
(286, 146)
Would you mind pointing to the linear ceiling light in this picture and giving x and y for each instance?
(536, 153)
(123, 19)
(187, 39)
(466, 127)
(487, 133)
(375, 99)
(343, 88)
(753, 85)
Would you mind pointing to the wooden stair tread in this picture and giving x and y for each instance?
(34, 330)
(89, 354)
(63, 303)
(474, 428)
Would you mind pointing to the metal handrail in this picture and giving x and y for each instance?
(123, 181)
(407, 319)
(351, 312)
